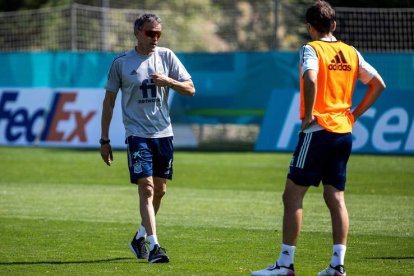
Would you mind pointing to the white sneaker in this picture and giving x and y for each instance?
(275, 270)
(338, 270)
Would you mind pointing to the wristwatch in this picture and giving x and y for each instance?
(104, 142)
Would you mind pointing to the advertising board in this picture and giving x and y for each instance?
(65, 117)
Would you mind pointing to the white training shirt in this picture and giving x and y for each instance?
(145, 110)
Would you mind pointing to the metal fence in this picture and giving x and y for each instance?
(238, 26)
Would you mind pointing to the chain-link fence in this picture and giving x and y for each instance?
(377, 30)
(238, 26)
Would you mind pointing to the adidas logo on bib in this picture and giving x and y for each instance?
(339, 63)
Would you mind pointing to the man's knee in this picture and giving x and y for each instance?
(146, 188)
(287, 198)
(334, 198)
(159, 192)
(293, 194)
(160, 187)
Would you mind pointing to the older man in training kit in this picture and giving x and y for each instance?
(144, 75)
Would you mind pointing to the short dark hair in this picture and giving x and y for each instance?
(144, 18)
(321, 16)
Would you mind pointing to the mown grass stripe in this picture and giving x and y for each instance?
(202, 208)
(225, 112)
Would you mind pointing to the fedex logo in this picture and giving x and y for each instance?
(58, 123)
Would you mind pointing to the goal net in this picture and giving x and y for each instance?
(376, 30)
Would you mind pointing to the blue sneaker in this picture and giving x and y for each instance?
(139, 248)
(157, 255)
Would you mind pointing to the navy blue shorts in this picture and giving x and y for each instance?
(150, 157)
(321, 156)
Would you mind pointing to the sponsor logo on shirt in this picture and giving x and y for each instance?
(149, 92)
(339, 63)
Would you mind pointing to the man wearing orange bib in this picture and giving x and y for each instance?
(328, 72)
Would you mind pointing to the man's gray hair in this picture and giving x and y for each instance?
(144, 18)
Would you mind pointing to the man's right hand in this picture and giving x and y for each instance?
(106, 153)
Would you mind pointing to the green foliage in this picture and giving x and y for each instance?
(190, 25)
(250, 27)
(185, 21)
(65, 212)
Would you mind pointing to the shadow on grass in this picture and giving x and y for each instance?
(390, 258)
(66, 262)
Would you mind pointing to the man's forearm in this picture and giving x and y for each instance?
(309, 92)
(107, 111)
(375, 88)
(185, 88)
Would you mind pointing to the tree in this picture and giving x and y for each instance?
(15, 5)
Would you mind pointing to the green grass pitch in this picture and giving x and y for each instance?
(65, 212)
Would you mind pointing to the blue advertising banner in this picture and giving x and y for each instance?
(387, 127)
(237, 88)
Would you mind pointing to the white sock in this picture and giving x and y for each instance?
(287, 254)
(152, 241)
(338, 255)
(141, 232)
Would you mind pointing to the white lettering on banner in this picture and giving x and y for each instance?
(409, 146)
(394, 121)
(359, 132)
(384, 126)
(289, 126)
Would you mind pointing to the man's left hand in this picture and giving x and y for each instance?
(106, 154)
